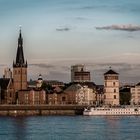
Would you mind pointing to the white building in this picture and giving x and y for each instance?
(86, 96)
(111, 88)
(135, 94)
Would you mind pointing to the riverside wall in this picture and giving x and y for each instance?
(40, 110)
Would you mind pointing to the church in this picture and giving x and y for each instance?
(14, 86)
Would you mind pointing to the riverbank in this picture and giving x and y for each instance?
(31, 110)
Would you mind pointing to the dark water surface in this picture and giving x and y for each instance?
(69, 128)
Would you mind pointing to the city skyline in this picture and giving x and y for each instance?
(58, 34)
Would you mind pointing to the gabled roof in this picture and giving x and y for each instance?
(78, 85)
(73, 88)
(4, 82)
(110, 72)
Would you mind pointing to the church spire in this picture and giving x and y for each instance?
(20, 62)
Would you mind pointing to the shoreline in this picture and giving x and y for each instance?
(41, 110)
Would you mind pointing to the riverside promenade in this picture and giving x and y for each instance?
(29, 110)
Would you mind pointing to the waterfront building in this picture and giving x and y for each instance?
(111, 88)
(7, 95)
(20, 67)
(82, 94)
(79, 74)
(32, 97)
(135, 94)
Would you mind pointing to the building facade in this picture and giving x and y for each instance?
(82, 94)
(135, 94)
(111, 88)
(79, 74)
(32, 97)
(7, 95)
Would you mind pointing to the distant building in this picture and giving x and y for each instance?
(7, 73)
(135, 94)
(82, 94)
(79, 74)
(20, 67)
(111, 88)
(7, 95)
(32, 97)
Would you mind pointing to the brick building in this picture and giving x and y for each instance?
(32, 97)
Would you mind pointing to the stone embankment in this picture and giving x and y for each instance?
(29, 110)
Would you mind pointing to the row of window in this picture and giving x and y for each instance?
(114, 84)
(135, 89)
(19, 72)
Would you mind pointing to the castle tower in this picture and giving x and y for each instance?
(20, 67)
(111, 88)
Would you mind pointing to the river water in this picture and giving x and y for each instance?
(70, 128)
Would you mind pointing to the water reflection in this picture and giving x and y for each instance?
(69, 127)
(20, 126)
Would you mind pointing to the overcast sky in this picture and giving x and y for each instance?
(60, 33)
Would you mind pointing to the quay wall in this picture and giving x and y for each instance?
(30, 110)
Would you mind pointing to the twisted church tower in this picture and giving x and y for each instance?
(20, 67)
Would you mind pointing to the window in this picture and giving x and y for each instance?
(114, 90)
(63, 99)
(114, 96)
(104, 97)
(113, 83)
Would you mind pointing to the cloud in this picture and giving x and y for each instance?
(128, 27)
(41, 65)
(65, 29)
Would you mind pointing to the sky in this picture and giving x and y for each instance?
(61, 33)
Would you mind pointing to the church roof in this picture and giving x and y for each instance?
(20, 55)
(76, 86)
(110, 72)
